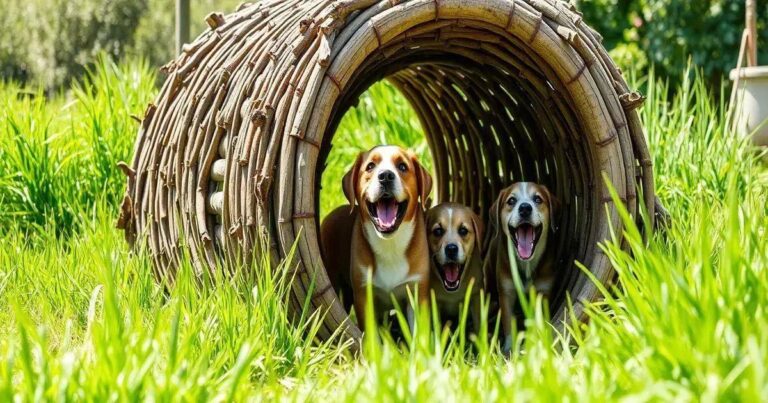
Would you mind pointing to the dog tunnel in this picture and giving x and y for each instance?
(229, 157)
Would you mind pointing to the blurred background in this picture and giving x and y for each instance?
(52, 42)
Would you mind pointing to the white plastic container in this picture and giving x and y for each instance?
(752, 103)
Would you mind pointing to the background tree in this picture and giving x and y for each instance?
(666, 33)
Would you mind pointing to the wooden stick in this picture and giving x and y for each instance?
(751, 24)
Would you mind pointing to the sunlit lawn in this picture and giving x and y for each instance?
(83, 319)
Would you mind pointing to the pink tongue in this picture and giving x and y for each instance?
(451, 272)
(386, 210)
(525, 235)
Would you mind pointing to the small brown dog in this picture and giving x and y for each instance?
(455, 242)
(380, 237)
(521, 220)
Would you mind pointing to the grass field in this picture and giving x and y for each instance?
(82, 319)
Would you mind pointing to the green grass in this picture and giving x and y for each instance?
(58, 157)
(83, 319)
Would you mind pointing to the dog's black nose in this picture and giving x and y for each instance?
(451, 251)
(525, 210)
(386, 176)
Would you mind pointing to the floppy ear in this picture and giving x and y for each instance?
(424, 180)
(554, 208)
(351, 179)
(479, 228)
(493, 217)
(496, 208)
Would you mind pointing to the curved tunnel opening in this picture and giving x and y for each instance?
(492, 115)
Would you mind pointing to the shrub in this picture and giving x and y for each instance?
(53, 42)
(155, 35)
(668, 32)
(13, 57)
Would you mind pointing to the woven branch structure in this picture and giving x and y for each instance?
(232, 150)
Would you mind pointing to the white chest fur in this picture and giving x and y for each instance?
(392, 267)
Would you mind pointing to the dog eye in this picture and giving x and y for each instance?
(463, 231)
(537, 199)
(512, 201)
(438, 232)
(370, 166)
(402, 167)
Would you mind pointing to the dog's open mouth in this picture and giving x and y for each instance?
(450, 273)
(525, 237)
(387, 214)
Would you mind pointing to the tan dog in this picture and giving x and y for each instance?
(455, 242)
(387, 244)
(521, 220)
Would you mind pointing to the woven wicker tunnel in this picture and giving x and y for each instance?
(232, 151)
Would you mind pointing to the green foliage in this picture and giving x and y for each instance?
(14, 57)
(84, 29)
(53, 42)
(155, 35)
(57, 158)
(668, 32)
(85, 320)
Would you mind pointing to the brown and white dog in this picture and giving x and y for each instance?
(387, 243)
(521, 221)
(455, 243)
